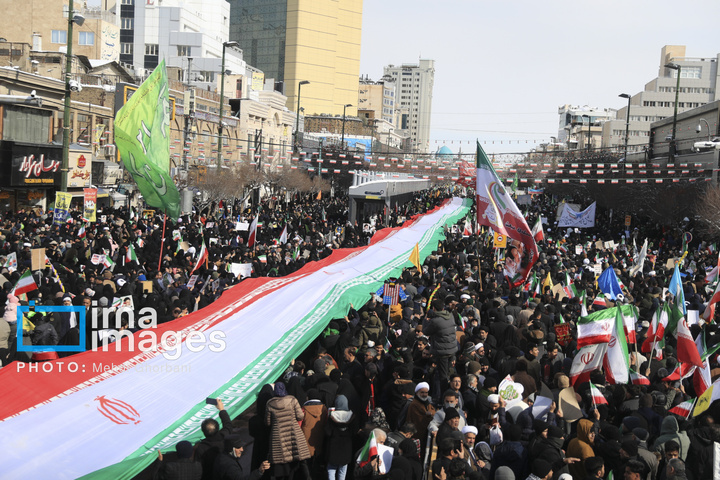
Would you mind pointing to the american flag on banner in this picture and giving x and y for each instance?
(391, 294)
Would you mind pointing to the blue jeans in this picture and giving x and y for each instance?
(337, 472)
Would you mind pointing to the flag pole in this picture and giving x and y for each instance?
(652, 353)
(692, 407)
(162, 242)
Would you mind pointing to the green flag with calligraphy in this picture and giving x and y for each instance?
(142, 135)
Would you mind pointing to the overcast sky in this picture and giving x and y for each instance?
(502, 68)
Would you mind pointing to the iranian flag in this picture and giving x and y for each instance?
(369, 451)
(616, 358)
(709, 312)
(253, 232)
(657, 329)
(587, 359)
(595, 328)
(638, 378)
(130, 255)
(283, 236)
(583, 307)
(687, 350)
(537, 231)
(684, 409)
(108, 262)
(496, 209)
(25, 284)
(597, 397)
(467, 231)
(201, 258)
(81, 232)
(630, 315)
(599, 301)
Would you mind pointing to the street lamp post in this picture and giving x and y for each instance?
(222, 100)
(342, 139)
(698, 129)
(79, 19)
(627, 122)
(589, 125)
(674, 66)
(297, 116)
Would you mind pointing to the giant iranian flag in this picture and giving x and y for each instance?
(106, 414)
(497, 210)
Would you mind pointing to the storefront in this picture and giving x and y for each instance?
(30, 175)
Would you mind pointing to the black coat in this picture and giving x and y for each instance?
(339, 431)
(440, 327)
(227, 467)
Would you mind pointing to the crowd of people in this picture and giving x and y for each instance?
(422, 381)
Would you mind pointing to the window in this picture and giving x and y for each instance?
(126, 48)
(127, 23)
(184, 50)
(151, 49)
(689, 72)
(58, 36)
(127, 2)
(86, 38)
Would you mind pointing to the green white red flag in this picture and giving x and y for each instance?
(497, 209)
(616, 358)
(597, 397)
(369, 451)
(587, 359)
(684, 409)
(25, 284)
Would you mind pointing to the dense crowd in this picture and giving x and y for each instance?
(89, 264)
(421, 379)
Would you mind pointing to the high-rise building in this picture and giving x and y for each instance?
(292, 41)
(376, 100)
(413, 91)
(698, 86)
(188, 34)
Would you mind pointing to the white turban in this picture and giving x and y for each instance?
(469, 429)
(422, 385)
(494, 398)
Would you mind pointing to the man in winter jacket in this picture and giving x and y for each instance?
(227, 465)
(440, 327)
(671, 431)
(208, 449)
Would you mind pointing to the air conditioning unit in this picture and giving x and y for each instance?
(109, 150)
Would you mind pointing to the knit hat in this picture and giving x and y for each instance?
(490, 382)
(631, 423)
(451, 413)
(630, 447)
(555, 432)
(541, 468)
(504, 473)
(641, 434)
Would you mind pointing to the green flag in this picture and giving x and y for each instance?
(142, 129)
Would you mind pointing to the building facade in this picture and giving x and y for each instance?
(188, 34)
(376, 100)
(43, 24)
(317, 41)
(580, 127)
(698, 86)
(414, 93)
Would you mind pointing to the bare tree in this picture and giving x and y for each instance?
(708, 210)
